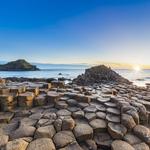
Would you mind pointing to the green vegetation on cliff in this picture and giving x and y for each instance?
(18, 65)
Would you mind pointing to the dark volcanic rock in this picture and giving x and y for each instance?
(18, 65)
(99, 74)
(24, 79)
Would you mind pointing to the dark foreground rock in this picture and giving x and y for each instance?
(24, 79)
(99, 74)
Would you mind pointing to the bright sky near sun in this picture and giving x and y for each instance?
(75, 31)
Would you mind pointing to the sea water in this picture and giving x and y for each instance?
(139, 78)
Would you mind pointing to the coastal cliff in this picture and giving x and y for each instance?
(18, 65)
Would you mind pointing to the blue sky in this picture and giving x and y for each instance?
(75, 31)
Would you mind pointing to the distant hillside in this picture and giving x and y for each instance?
(18, 65)
(61, 66)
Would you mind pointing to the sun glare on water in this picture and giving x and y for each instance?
(136, 68)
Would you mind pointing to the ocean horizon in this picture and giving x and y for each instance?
(71, 71)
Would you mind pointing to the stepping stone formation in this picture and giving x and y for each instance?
(59, 116)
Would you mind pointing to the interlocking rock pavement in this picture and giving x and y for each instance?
(58, 116)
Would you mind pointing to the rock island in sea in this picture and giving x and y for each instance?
(18, 65)
(99, 110)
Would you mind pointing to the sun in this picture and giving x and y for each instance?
(136, 68)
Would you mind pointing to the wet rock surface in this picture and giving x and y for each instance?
(58, 116)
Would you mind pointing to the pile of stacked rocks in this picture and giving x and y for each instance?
(99, 74)
(55, 116)
(25, 94)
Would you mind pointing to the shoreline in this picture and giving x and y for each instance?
(138, 82)
(139, 78)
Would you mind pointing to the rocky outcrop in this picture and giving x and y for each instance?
(58, 116)
(18, 65)
(99, 74)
